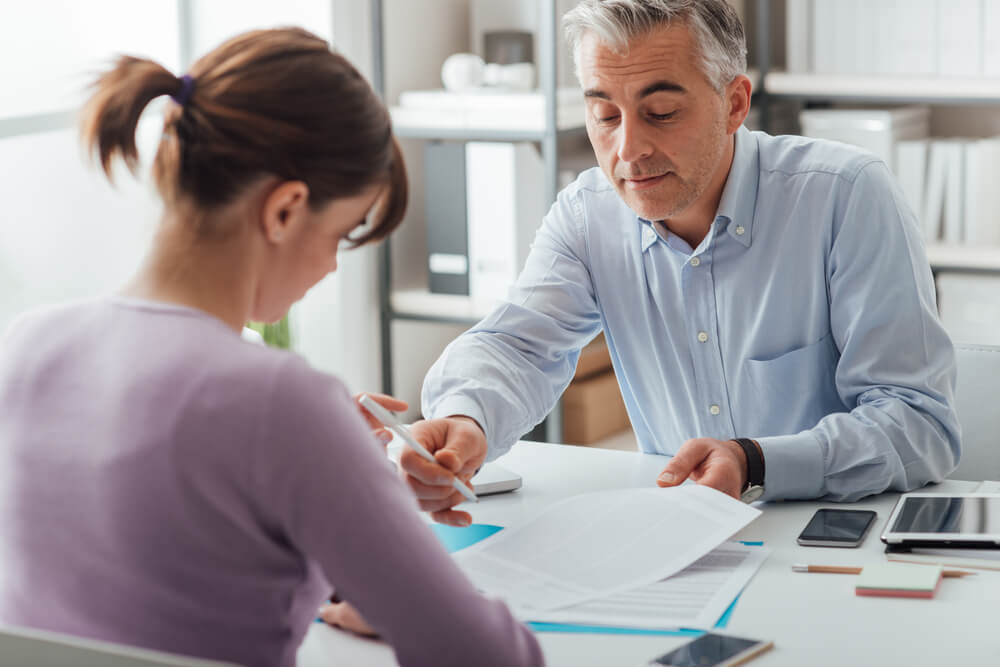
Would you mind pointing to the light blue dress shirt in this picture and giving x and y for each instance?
(805, 319)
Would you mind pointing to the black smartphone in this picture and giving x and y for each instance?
(712, 650)
(837, 528)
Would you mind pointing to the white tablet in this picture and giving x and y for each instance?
(967, 520)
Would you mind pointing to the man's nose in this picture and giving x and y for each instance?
(634, 142)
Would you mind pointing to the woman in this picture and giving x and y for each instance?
(166, 484)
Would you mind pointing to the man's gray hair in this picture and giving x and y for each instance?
(714, 24)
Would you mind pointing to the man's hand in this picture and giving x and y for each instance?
(383, 434)
(344, 615)
(720, 464)
(459, 445)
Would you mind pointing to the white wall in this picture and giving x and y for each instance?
(65, 233)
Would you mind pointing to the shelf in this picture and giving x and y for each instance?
(476, 134)
(482, 124)
(963, 258)
(421, 304)
(929, 90)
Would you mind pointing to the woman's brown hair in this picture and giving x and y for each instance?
(268, 102)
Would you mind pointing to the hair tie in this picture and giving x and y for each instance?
(187, 87)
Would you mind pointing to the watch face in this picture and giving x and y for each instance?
(752, 494)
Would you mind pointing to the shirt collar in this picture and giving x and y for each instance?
(739, 196)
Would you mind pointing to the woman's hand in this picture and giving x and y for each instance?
(344, 615)
(392, 403)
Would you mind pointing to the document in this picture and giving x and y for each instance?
(594, 545)
(694, 598)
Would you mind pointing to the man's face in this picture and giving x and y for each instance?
(657, 126)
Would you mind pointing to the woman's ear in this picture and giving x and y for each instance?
(284, 209)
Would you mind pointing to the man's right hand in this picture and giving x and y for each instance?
(459, 445)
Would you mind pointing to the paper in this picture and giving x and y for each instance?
(694, 598)
(596, 544)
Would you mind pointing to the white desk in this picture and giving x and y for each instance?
(813, 619)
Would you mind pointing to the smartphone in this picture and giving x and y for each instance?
(712, 650)
(837, 528)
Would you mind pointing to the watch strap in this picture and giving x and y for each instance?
(755, 461)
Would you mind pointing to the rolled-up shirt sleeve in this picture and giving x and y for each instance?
(509, 370)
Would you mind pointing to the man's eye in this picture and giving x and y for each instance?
(663, 116)
(608, 119)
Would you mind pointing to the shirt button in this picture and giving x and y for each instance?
(702, 337)
(695, 261)
(715, 409)
(740, 230)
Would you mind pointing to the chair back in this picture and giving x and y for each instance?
(977, 394)
(39, 648)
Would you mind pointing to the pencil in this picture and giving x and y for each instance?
(840, 569)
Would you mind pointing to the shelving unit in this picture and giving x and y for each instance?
(420, 305)
(897, 90)
(878, 89)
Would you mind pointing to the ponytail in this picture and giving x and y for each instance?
(265, 103)
(112, 114)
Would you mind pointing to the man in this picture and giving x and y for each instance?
(767, 301)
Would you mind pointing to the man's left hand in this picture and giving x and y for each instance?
(720, 464)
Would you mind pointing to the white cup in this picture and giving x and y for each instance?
(462, 71)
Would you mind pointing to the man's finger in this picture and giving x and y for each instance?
(443, 504)
(687, 458)
(427, 491)
(432, 474)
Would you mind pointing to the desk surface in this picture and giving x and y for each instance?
(813, 619)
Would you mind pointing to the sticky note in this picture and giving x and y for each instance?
(898, 580)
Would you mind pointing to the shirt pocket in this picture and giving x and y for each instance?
(794, 390)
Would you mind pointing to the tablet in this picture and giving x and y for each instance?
(967, 520)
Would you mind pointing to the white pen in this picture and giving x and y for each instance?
(389, 420)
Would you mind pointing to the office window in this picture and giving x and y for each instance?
(214, 21)
(50, 49)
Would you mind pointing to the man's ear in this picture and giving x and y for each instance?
(737, 99)
(284, 208)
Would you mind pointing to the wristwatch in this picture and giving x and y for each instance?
(755, 469)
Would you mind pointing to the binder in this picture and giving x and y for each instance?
(505, 203)
(911, 172)
(937, 175)
(445, 207)
(954, 196)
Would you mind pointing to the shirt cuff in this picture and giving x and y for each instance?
(793, 466)
(465, 406)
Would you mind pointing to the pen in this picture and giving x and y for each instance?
(837, 569)
(389, 420)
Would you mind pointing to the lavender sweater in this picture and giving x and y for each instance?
(165, 484)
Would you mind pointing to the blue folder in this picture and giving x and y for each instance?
(458, 538)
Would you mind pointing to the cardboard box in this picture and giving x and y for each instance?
(594, 359)
(593, 409)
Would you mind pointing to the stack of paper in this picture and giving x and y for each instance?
(604, 558)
